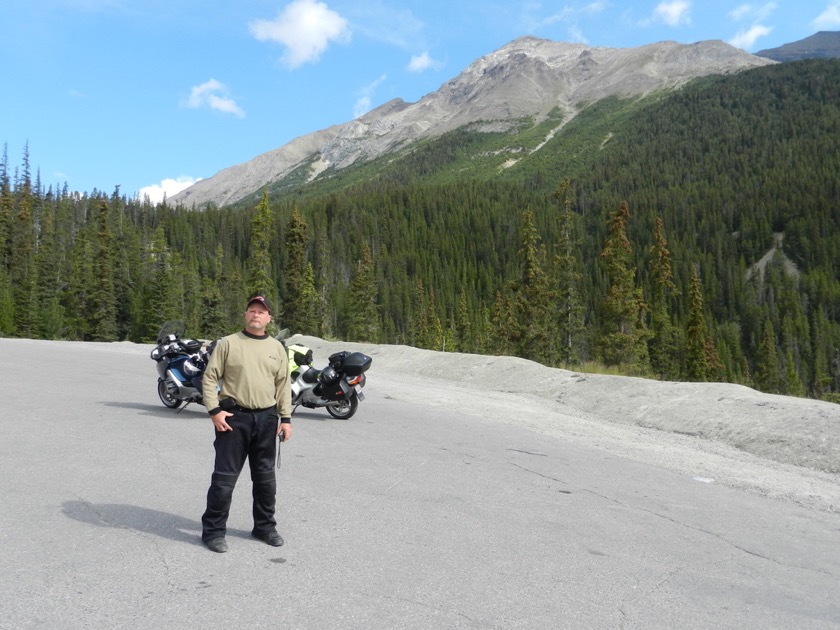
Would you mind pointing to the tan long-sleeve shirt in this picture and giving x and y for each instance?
(254, 371)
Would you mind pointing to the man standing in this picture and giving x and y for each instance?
(246, 389)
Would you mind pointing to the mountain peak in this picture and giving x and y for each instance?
(528, 77)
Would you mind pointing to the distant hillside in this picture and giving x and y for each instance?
(822, 45)
(523, 84)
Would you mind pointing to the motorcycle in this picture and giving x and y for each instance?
(180, 364)
(337, 387)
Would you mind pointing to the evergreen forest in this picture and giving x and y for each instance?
(688, 235)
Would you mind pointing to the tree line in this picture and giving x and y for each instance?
(646, 262)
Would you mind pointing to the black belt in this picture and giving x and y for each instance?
(246, 410)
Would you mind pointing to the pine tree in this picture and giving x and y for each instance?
(310, 303)
(164, 292)
(260, 279)
(793, 384)
(103, 307)
(504, 327)
(6, 212)
(76, 299)
(696, 333)
(22, 267)
(213, 323)
(49, 323)
(214, 320)
(463, 326)
(623, 339)
(533, 299)
(664, 344)
(363, 318)
(767, 376)
(297, 310)
(7, 305)
(568, 278)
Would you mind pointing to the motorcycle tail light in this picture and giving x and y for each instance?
(355, 380)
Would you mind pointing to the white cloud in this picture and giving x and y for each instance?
(745, 39)
(214, 95)
(673, 13)
(363, 104)
(305, 28)
(422, 62)
(756, 13)
(828, 19)
(533, 22)
(167, 188)
(740, 12)
(576, 35)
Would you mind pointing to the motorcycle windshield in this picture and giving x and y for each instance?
(172, 327)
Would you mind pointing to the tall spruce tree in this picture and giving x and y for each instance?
(6, 211)
(664, 344)
(534, 298)
(7, 301)
(696, 333)
(162, 303)
(50, 317)
(363, 319)
(76, 299)
(504, 326)
(623, 337)
(463, 326)
(767, 375)
(103, 302)
(260, 278)
(568, 278)
(311, 304)
(214, 320)
(297, 306)
(7, 304)
(21, 264)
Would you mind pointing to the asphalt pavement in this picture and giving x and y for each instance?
(402, 517)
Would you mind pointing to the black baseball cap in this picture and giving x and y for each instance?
(262, 300)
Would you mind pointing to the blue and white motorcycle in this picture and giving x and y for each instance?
(180, 364)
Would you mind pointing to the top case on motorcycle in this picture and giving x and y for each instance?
(356, 363)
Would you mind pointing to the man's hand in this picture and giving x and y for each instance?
(284, 430)
(220, 421)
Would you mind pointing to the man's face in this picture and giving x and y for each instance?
(257, 318)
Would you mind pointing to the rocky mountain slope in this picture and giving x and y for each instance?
(825, 44)
(529, 77)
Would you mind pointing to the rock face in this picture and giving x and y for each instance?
(527, 77)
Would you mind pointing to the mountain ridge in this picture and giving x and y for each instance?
(820, 45)
(527, 78)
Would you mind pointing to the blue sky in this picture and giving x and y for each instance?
(151, 95)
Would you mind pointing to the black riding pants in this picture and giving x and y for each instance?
(253, 438)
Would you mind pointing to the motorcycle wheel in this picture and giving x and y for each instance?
(166, 398)
(345, 409)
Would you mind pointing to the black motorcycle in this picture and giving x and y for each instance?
(180, 364)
